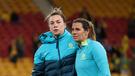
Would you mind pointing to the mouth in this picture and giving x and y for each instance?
(55, 30)
(75, 37)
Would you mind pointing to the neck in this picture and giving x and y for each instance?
(82, 43)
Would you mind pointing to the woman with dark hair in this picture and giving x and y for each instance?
(91, 58)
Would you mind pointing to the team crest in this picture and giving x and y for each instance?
(83, 56)
(70, 45)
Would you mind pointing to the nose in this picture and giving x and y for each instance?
(55, 25)
(73, 32)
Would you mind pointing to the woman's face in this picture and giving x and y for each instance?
(56, 24)
(79, 34)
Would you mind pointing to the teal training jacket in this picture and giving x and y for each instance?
(91, 60)
(56, 56)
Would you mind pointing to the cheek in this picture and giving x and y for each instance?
(62, 27)
(75, 32)
(80, 33)
(51, 28)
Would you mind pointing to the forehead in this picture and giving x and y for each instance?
(77, 24)
(55, 17)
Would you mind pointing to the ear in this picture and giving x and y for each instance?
(89, 32)
(86, 33)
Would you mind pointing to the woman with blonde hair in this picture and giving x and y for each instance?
(56, 55)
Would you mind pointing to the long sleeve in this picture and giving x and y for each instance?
(38, 68)
(100, 57)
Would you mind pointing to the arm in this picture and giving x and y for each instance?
(100, 57)
(38, 68)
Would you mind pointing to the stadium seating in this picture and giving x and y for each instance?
(104, 8)
(21, 68)
(115, 13)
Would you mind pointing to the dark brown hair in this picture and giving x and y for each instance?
(87, 26)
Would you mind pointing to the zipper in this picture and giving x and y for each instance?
(60, 62)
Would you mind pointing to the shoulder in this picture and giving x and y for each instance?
(96, 44)
(45, 34)
(40, 51)
(40, 54)
(67, 36)
(98, 49)
(46, 37)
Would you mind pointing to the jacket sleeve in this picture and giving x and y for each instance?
(38, 68)
(100, 57)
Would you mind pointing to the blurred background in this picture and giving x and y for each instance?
(22, 21)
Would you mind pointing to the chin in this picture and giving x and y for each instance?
(76, 39)
(56, 33)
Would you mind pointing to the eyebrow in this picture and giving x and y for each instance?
(51, 21)
(55, 20)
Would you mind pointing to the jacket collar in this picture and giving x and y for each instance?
(62, 35)
(84, 43)
(48, 37)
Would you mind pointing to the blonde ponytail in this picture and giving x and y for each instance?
(92, 33)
